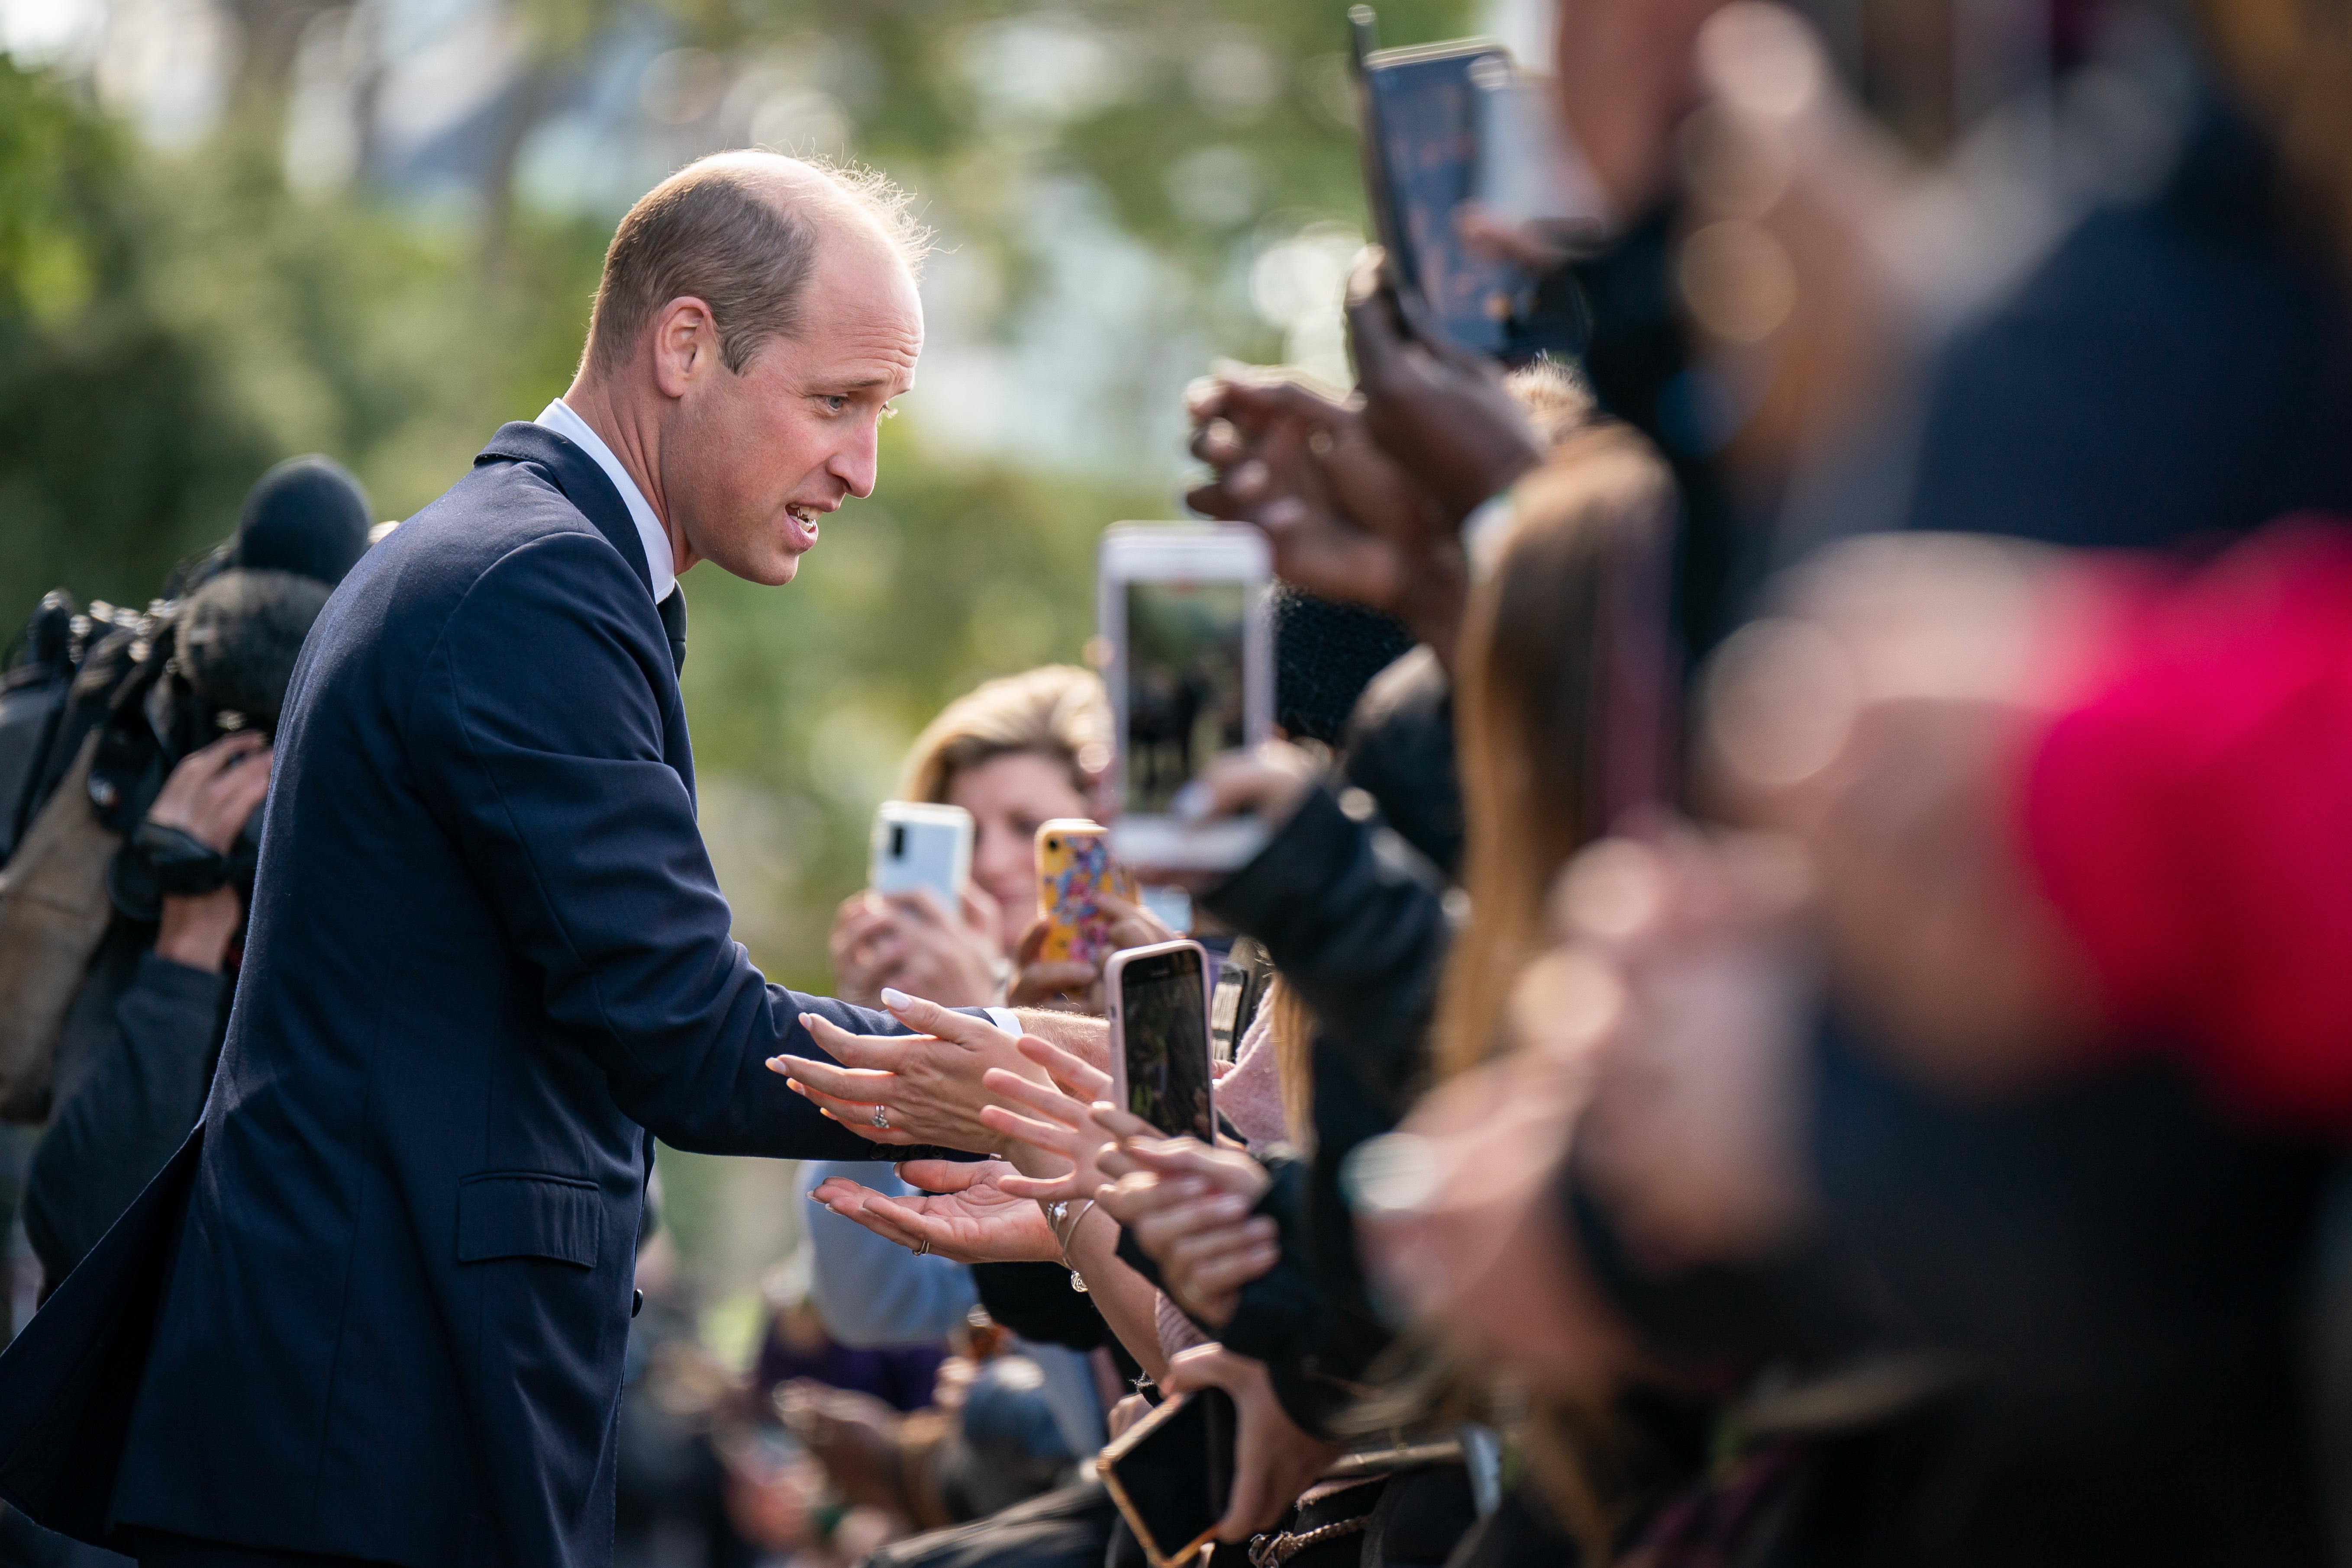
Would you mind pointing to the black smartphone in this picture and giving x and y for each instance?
(1171, 1474)
(1159, 999)
(1242, 981)
(1425, 115)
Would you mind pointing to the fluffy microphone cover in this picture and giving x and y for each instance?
(239, 635)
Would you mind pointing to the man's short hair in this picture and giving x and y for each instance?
(718, 230)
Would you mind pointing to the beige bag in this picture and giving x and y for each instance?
(53, 914)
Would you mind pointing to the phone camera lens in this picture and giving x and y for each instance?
(897, 841)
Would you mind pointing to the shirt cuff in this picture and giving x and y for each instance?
(1004, 1019)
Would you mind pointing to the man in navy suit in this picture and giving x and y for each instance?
(387, 1285)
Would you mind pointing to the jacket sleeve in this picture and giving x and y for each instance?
(143, 1091)
(536, 736)
(1360, 934)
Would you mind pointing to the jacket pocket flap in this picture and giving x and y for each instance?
(518, 1214)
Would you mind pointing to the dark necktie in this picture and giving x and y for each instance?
(673, 614)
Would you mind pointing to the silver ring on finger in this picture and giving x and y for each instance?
(922, 1247)
(882, 1116)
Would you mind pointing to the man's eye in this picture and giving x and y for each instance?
(833, 402)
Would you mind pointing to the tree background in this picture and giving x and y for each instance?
(234, 231)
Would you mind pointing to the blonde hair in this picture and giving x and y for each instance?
(1541, 697)
(1057, 710)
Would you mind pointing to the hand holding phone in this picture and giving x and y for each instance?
(1184, 611)
(1171, 1474)
(1440, 411)
(1076, 874)
(1274, 1459)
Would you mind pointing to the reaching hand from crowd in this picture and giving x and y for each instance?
(1074, 987)
(1274, 1459)
(963, 1213)
(1345, 521)
(1189, 1207)
(1439, 411)
(908, 1089)
(1051, 1139)
(906, 942)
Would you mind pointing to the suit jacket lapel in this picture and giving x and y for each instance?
(584, 484)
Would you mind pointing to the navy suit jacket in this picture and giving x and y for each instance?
(487, 963)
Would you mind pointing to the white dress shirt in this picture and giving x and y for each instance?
(558, 416)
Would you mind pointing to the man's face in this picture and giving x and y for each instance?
(753, 457)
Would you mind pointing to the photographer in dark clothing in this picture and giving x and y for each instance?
(136, 1048)
(139, 1043)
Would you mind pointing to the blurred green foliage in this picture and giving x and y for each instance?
(170, 324)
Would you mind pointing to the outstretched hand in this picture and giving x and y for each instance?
(908, 1089)
(1189, 1207)
(1345, 521)
(964, 1214)
(1055, 1145)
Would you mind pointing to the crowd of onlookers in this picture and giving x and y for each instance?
(1803, 897)
(1804, 1022)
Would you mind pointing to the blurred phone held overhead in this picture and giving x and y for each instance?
(1456, 139)
(1185, 613)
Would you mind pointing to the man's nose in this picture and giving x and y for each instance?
(855, 463)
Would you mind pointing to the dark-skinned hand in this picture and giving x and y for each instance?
(1440, 411)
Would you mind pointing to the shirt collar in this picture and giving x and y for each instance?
(660, 564)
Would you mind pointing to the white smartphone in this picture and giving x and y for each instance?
(918, 845)
(1187, 630)
(1159, 998)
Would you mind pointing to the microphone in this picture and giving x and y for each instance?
(239, 635)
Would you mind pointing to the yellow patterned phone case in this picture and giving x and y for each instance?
(1074, 871)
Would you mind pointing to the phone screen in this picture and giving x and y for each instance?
(1163, 1008)
(1426, 113)
(1185, 700)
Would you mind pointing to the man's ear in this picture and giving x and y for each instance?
(685, 345)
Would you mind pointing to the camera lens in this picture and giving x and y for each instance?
(897, 841)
